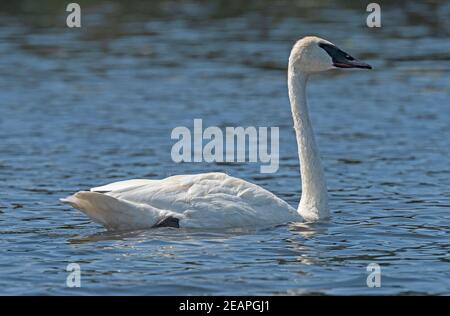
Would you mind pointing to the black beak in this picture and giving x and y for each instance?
(354, 63)
(341, 59)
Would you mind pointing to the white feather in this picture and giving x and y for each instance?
(208, 200)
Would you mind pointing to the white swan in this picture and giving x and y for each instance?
(216, 200)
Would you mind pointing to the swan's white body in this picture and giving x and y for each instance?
(216, 200)
(208, 200)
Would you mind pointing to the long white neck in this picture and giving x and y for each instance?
(314, 201)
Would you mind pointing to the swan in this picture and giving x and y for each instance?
(217, 200)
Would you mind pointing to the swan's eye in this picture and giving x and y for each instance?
(349, 57)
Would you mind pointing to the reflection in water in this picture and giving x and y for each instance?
(167, 234)
(308, 230)
(85, 107)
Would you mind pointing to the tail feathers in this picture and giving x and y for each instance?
(114, 213)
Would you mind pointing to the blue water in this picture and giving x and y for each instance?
(82, 108)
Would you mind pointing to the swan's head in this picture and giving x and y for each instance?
(313, 54)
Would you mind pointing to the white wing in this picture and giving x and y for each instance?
(127, 184)
(209, 200)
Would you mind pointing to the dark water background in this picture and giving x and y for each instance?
(85, 107)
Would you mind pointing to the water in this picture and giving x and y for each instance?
(81, 108)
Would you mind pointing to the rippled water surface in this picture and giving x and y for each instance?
(81, 108)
